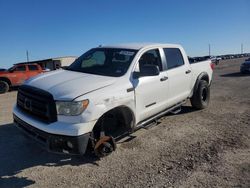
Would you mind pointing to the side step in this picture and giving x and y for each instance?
(150, 122)
(174, 109)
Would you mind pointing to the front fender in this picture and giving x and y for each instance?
(103, 101)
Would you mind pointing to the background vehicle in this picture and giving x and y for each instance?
(245, 66)
(107, 93)
(214, 59)
(17, 74)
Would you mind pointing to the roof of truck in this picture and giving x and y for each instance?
(138, 46)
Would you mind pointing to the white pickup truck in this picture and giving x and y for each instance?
(108, 92)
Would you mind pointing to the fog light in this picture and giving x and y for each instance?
(69, 144)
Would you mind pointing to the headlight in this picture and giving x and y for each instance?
(72, 108)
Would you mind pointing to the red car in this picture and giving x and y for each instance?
(17, 74)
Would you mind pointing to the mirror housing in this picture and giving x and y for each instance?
(147, 70)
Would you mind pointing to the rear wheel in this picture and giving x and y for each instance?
(201, 96)
(4, 87)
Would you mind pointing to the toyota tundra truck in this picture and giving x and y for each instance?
(109, 92)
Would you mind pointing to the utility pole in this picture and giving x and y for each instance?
(27, 55)
(241, 48)
(209, 49)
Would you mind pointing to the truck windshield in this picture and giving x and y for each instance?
(11, 68)
(104, 61)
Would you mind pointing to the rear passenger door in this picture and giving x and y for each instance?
(33, 71)
(179, 75)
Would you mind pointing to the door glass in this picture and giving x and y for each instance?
(20, 68)
(174, 57)
(151, 57)
(33, 67)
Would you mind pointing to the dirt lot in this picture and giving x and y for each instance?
(209, 148)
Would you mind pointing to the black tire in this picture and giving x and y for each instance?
(201, 96)
(4, 87)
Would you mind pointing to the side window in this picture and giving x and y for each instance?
(151, 57)
(174, 57)
(20, 68)
(33, 67)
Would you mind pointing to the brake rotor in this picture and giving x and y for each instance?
(104, 146)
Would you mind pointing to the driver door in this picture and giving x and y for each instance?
(150, 91)
(19, 74)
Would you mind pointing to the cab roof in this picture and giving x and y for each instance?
(138, 46)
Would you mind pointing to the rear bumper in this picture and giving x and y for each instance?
(53, 142)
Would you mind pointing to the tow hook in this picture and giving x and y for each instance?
(104, 146)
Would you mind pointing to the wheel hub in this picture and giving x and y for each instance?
(104, 146)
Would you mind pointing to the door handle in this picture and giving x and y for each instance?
(188, 71)
(164, 78)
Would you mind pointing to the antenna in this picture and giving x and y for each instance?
(241, 48)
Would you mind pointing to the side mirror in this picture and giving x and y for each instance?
(147, 70)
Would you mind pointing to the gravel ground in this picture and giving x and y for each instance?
(208, 148)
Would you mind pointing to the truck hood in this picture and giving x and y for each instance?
(68, 85)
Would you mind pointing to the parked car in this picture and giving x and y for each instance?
(245, 66)
(107, 93)
(17, 74)
(214, 59)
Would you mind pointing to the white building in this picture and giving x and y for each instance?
(54, 63)
(65, 61)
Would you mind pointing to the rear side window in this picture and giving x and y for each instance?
(20, 68)
(174, 57)
(33, 67)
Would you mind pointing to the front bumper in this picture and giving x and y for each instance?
(53, 142)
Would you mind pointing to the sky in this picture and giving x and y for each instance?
(55, 28)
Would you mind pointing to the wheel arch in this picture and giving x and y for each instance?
(122, 111)
(6, 80)
(202, 76)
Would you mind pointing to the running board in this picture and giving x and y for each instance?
(175, 111)
(151, 124)
(159, 115)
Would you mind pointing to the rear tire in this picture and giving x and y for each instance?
(201, 96)
(4, 87)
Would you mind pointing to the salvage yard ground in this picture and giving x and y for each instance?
(208, 148)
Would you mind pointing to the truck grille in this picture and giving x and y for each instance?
(38, 103)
